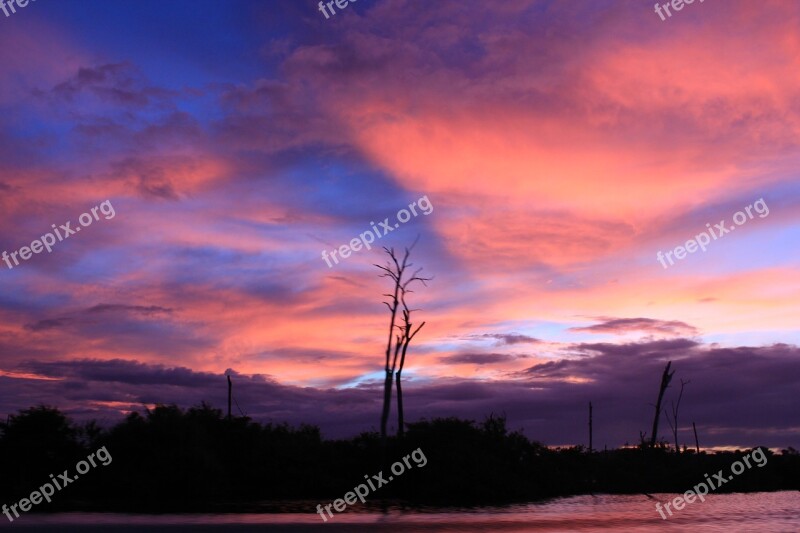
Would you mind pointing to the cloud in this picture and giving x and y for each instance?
(621, 326)
(537, 128)
(118, 84)
(135, 309)
(509, 338)
(478, 358)
(736, 396)
(49, 323)
(76, 319)
(122, 371)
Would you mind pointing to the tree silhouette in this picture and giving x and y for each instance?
(169, 459)
(396, 270)
(673, 423)
(38, 441)
(666, 377)
(407, 336)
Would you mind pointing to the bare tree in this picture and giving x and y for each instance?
(395, 270)
(673, 423)
(405, 340)
(230, 386)
(666, 377)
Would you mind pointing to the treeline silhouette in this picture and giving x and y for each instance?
(170, 459)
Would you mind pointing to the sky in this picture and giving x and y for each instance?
(556, 155)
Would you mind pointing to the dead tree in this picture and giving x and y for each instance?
(666, 377)
(405, 340)
(673, 423)
(394, 270)
(696, 442)
(230, 386)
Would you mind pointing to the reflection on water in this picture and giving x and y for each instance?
(762, 512)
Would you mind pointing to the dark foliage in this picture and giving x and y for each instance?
(169, 459)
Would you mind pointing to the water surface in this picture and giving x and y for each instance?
(765, 512)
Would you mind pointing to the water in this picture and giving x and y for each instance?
(765, 512)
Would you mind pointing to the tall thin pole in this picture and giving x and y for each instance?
(696, 442)
(590, 427)
(230, 386)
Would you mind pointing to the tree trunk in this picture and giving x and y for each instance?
(675, 432)
(387, 404)
(230, 386)
(590, 427)
(696, 442)
(400, 421)
(666, 377)
(408, 336)
(387, 383)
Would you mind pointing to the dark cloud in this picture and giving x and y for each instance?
(64, 321)
(122, 371)
(478, 358)
(154, 330)
(89, 77)
(49, 323)
(619, 326)
(118, 84)
(651, 349)
(736, 395)
(150, 178)
(509, 338)
(137, 309)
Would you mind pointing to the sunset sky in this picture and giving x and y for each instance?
(561, 144)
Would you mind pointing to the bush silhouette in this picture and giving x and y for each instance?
(169, 459)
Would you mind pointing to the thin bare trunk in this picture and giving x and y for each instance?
(396, 276)
(387, 403)
(673, 423)
(666, 377)
(406, 340)
(400, 414)
(400, 421)
(230, 387)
